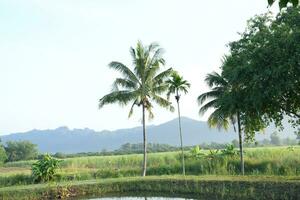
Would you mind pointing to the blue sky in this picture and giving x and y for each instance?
(54, 55)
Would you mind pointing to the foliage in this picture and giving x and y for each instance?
(229, 151)
(20, 150)
(3, 155)
(220, 117)
(196, 152)
(176, 85)
(264, 63)
(141, 86)
(269, 161)
(284, 3)
(45, 169)
(213, 153)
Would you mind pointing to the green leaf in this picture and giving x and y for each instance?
(295, 2)
(283, 3)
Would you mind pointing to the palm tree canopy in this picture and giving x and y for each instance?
(177, 84)
(220, 117)
(142, 85)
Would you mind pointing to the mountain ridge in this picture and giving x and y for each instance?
(65, 140)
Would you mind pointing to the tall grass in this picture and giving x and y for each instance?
(280, 161)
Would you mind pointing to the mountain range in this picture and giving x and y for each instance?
(68, 140)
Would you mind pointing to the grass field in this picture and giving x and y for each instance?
(274, 161)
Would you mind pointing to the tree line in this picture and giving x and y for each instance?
(17, 150)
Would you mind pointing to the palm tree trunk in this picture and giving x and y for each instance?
(241, 143)
(180, 133)
(145, 144)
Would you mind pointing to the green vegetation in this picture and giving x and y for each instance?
(223, 115)
(284, 3)
(258, 85)
(273, 161)
(3, 156)
(45, 168)
(203, 187)
(176, 85)
(263, 64)
(143, 86)
(20, 150)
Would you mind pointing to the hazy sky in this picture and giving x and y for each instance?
(54, 55)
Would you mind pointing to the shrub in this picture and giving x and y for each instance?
(3, 156)
(44, 169)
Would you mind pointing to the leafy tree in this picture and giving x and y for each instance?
(176, 85)
(284, 3)
(20, 150)
(141, 86)
(45, 168)
(225, 111)
(264, 63)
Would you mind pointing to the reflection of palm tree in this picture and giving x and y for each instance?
(220, 117)
(141, 86)
(176, 85)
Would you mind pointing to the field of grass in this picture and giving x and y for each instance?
(200, 187)
(274, 161)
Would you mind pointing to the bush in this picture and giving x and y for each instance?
(44, 169)
(3, 156)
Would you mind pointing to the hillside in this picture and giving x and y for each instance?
(65, 140)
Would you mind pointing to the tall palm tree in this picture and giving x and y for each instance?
(222, 116)
(176, 85)
(141, 86)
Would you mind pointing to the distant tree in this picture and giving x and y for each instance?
(235, 143)
(20, 150)
(142, 86)
(275, 139)
(266, 142)
(176, 85)
(284, 3)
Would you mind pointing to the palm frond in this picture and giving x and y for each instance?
(126, 72)
(122, 97)
(124, 83)
(161, 77)
(215, 79)
(209, 105)
(218, 119)
(213, 94)
(162, 102)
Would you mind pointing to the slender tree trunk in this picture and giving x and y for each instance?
(240, 143)
(145, 143)
(180, 133)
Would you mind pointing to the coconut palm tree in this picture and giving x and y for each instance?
(222, 116)
(176, 85)
(141, 86)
